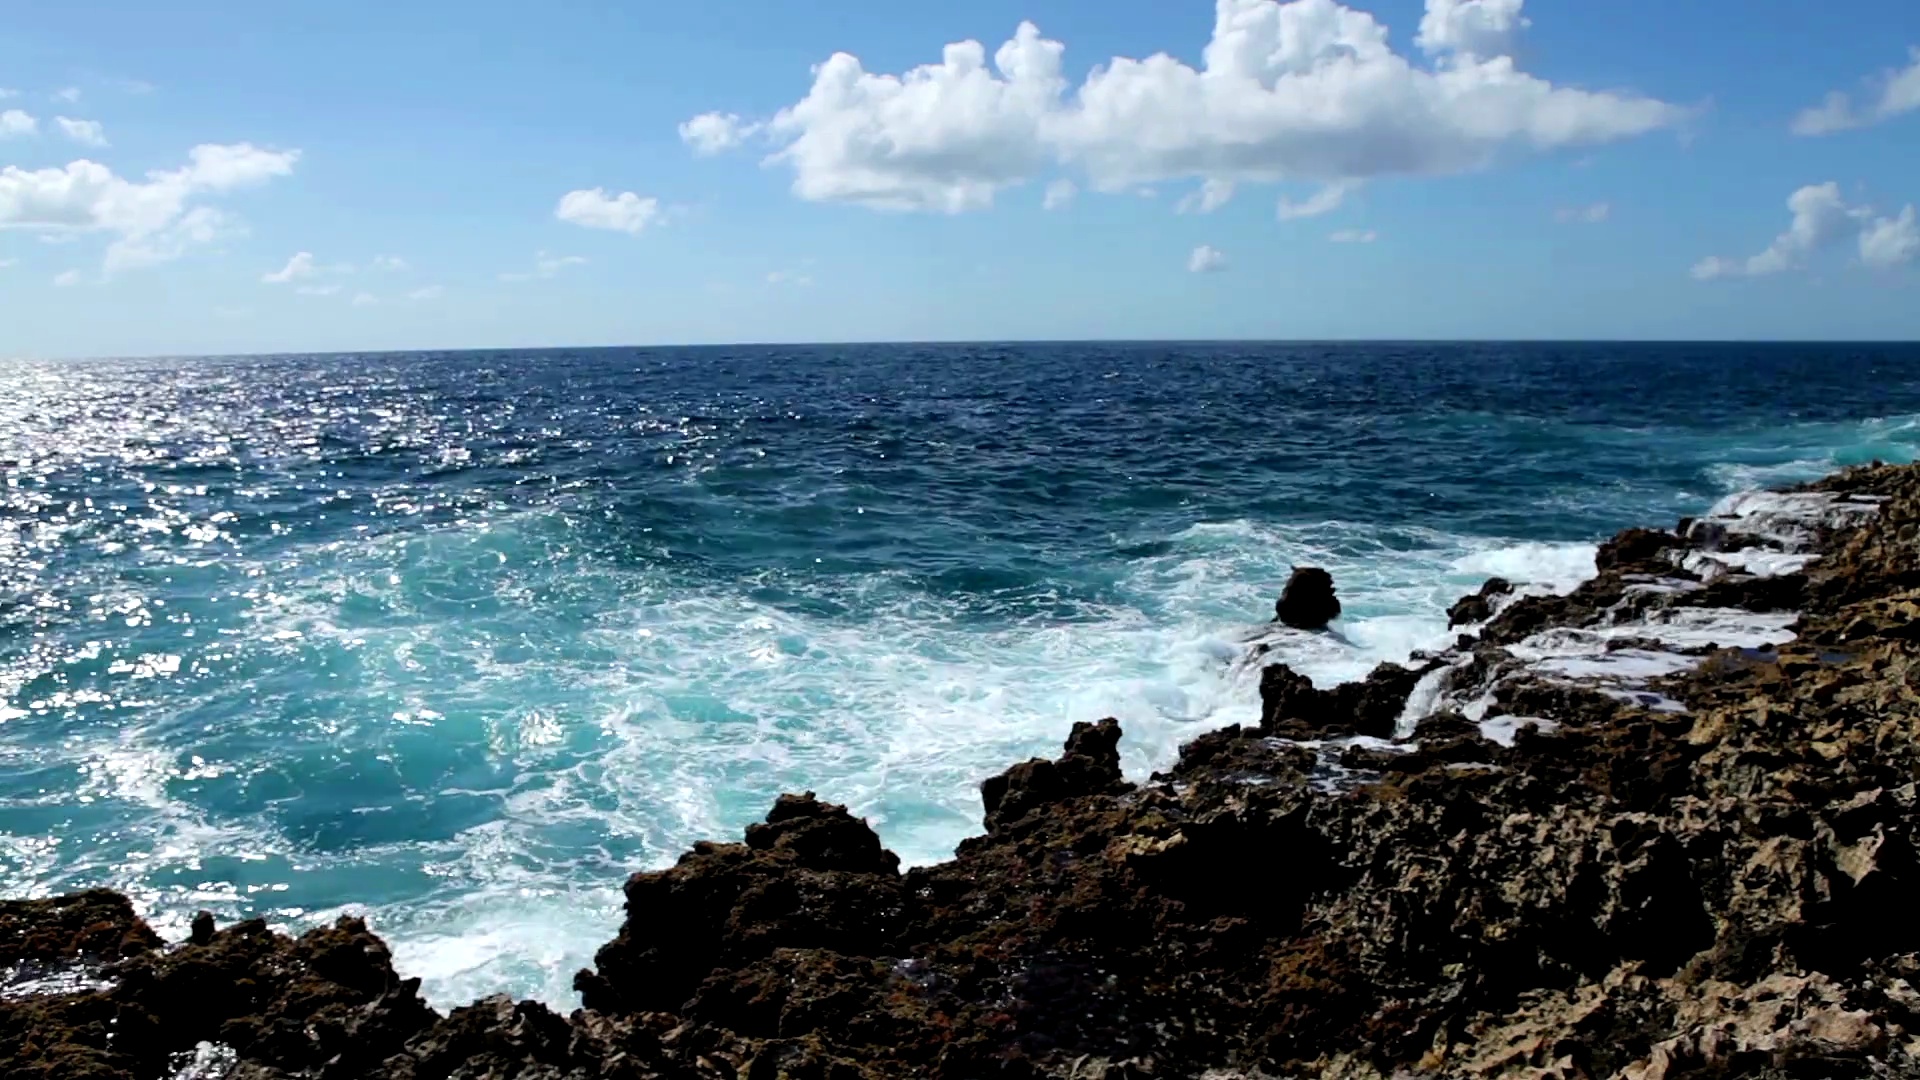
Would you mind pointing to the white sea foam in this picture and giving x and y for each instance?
(1504, 729)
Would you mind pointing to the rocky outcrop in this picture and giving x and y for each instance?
(1665, 826)
(1308, 601)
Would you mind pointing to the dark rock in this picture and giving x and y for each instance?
(1090, 765)
(95, 925)
(1636, 550)
(202, 928)
(812, 877)
(1292, 707)
(1308, 601)
(1478, 607)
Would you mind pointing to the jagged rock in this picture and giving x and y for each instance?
(1635, 549)
(812, 877)
(1292, 707)
(96, 925)
(1478, 607)
(1089, 766)
(1308, 601)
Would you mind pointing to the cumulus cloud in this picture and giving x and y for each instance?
(595, 209)
(1060, 194)
(1206, 259)
(1471, 28)
(389, 263)
(1821, 219)
(716, 132)
(153, 220)
(318, 290)
(1584, 215)
(1354, 236)
(545, 266)
(1895, 92)
(1211, 195)
(68, 95)
(1307, 90)
(66, 279)
(365, 299)
(85, 132)
(16, 124)
(1890, 242)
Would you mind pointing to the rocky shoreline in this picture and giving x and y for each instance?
(1661, 827)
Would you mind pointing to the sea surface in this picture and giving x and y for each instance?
(458, 641)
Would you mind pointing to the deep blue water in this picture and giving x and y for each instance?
(460, 640)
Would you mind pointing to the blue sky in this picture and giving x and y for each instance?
(458, 175)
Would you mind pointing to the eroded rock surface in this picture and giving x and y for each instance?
(1665, 826)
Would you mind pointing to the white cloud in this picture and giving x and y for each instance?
(389, 263)
(1211, 195)
(153, 220)
(595, 209)
(716, 132)
(318, 290)
(430, 292)
(1890, 242)
(1307, 90)
(4, 263)
(300, 266)
(6, 93)
(1060, 195)
(789, 277)
(545, 266)
(16, 124)
(1324, 201)
(365, 300)
(1354, 236)
(66, 279)
(1898, 92)
(85, 132)
(1821, 217)
(1206, 259)
(1471, 28)
(1584, 215)
(69, 95)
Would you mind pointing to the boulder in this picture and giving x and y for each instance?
(1308, 602)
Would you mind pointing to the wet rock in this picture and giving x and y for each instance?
(812, 876)
(1636, 549)
(1090, 765)
(1478, 607)
(97, 925)
(1292, 707)
(1308, 601)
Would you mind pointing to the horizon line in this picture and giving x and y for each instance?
(907, 343)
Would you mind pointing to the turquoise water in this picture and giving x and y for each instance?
(459, 640)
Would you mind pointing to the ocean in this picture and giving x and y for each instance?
(457, 641)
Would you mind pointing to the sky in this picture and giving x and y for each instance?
(217, 176)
